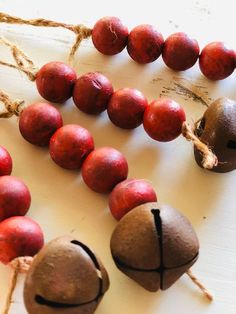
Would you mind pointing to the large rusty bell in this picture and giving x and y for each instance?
(66, 277)
(154, 245)
(217, 129)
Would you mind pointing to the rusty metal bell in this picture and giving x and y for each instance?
(66, 277)
(217, 129)
(154, 245)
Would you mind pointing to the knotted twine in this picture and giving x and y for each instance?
(18, 265)
(81, 31)
(12, 107)
(209, 159)
(23, 62)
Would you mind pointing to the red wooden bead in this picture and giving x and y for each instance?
(216, 61)
(15, 197)
(20, 236)
(109, 35)
(180, 52)
(70, 145)
(38, 122)
(104, 168)
(128, 194)
(92, 92)
(55, 81)
(163, 119)
(126, 108)
(5, 162)
(145, 43)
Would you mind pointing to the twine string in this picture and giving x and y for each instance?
(196, 281)
(209, 159)
(81, 31)
(12, 107)
(23, 62)
(18, 265)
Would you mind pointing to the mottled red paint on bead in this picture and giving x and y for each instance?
(126, 108)
(163, 119)
(55, 81)
(128, 194)
(145, 43)
(216, 61)
(20, 236)
(38, 122)
(180, 52)
(103, 169)
(5, 162)
(110, 35)
(70, 145)
(15, 197)
(92, 92)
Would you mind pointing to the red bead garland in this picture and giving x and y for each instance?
(21, 237)
(72, 146)
(179, 52)
(144, 45)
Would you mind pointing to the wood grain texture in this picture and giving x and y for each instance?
(61, 202)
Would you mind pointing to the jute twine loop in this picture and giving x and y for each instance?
(209, 159)
(12, 107)
(81, 31)
(23, 62)
(18, 265)
(200, 285)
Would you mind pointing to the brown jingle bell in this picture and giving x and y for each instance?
(66, 277)
(217, 129)
(154, 245)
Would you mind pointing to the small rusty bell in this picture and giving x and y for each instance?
(154, 245)
(66, 277)
(217, 129)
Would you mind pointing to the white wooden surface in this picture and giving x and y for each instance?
(61, 202)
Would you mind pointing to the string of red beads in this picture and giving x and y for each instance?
(20, 236)
(145, 44)
(93, 93)
(72, 147)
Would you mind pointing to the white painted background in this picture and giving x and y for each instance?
(62, 204)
